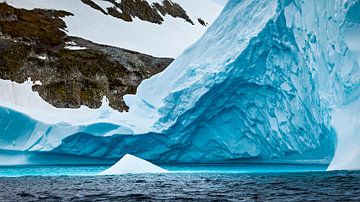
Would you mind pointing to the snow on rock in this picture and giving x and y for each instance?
(42, 57)
(22, 95)
(43, 127)
(166, 40)
(130, 164)
(75, 48)
(21, 98)
(71, 45)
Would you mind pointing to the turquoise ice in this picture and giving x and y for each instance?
(260, 85)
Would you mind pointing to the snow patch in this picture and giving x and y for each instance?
(75, 48)
(72, 45)
(38, 83)
(42, 57)
(23, 99)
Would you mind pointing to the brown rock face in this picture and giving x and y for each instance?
(154, 13)
(40, 26)
(173, 9)
(93, 5)
(35, 47)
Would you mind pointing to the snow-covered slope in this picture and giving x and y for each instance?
(261, 84)
(168, 39)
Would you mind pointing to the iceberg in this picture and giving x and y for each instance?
(260, 85)
(130, 164)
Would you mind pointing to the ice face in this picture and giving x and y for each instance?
(260, 84)
(346, 121)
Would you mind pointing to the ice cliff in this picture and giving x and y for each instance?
(262, 83)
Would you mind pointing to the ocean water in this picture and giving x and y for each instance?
(89, 170)
(201, 183)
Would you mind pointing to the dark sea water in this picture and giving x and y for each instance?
(199, 186)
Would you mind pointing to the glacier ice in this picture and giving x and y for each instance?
(346, 121)
(260, 85)
(130, 164)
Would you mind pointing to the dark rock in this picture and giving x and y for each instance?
(128, 9)
(175, 10)
(24, 194)
(94, 6)
(202, 22)
(115, 13)
(39, 26)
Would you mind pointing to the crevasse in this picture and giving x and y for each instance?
(260, 85)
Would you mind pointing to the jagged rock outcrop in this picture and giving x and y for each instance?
(151, 12)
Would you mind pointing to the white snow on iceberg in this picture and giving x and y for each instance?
(130, 164)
